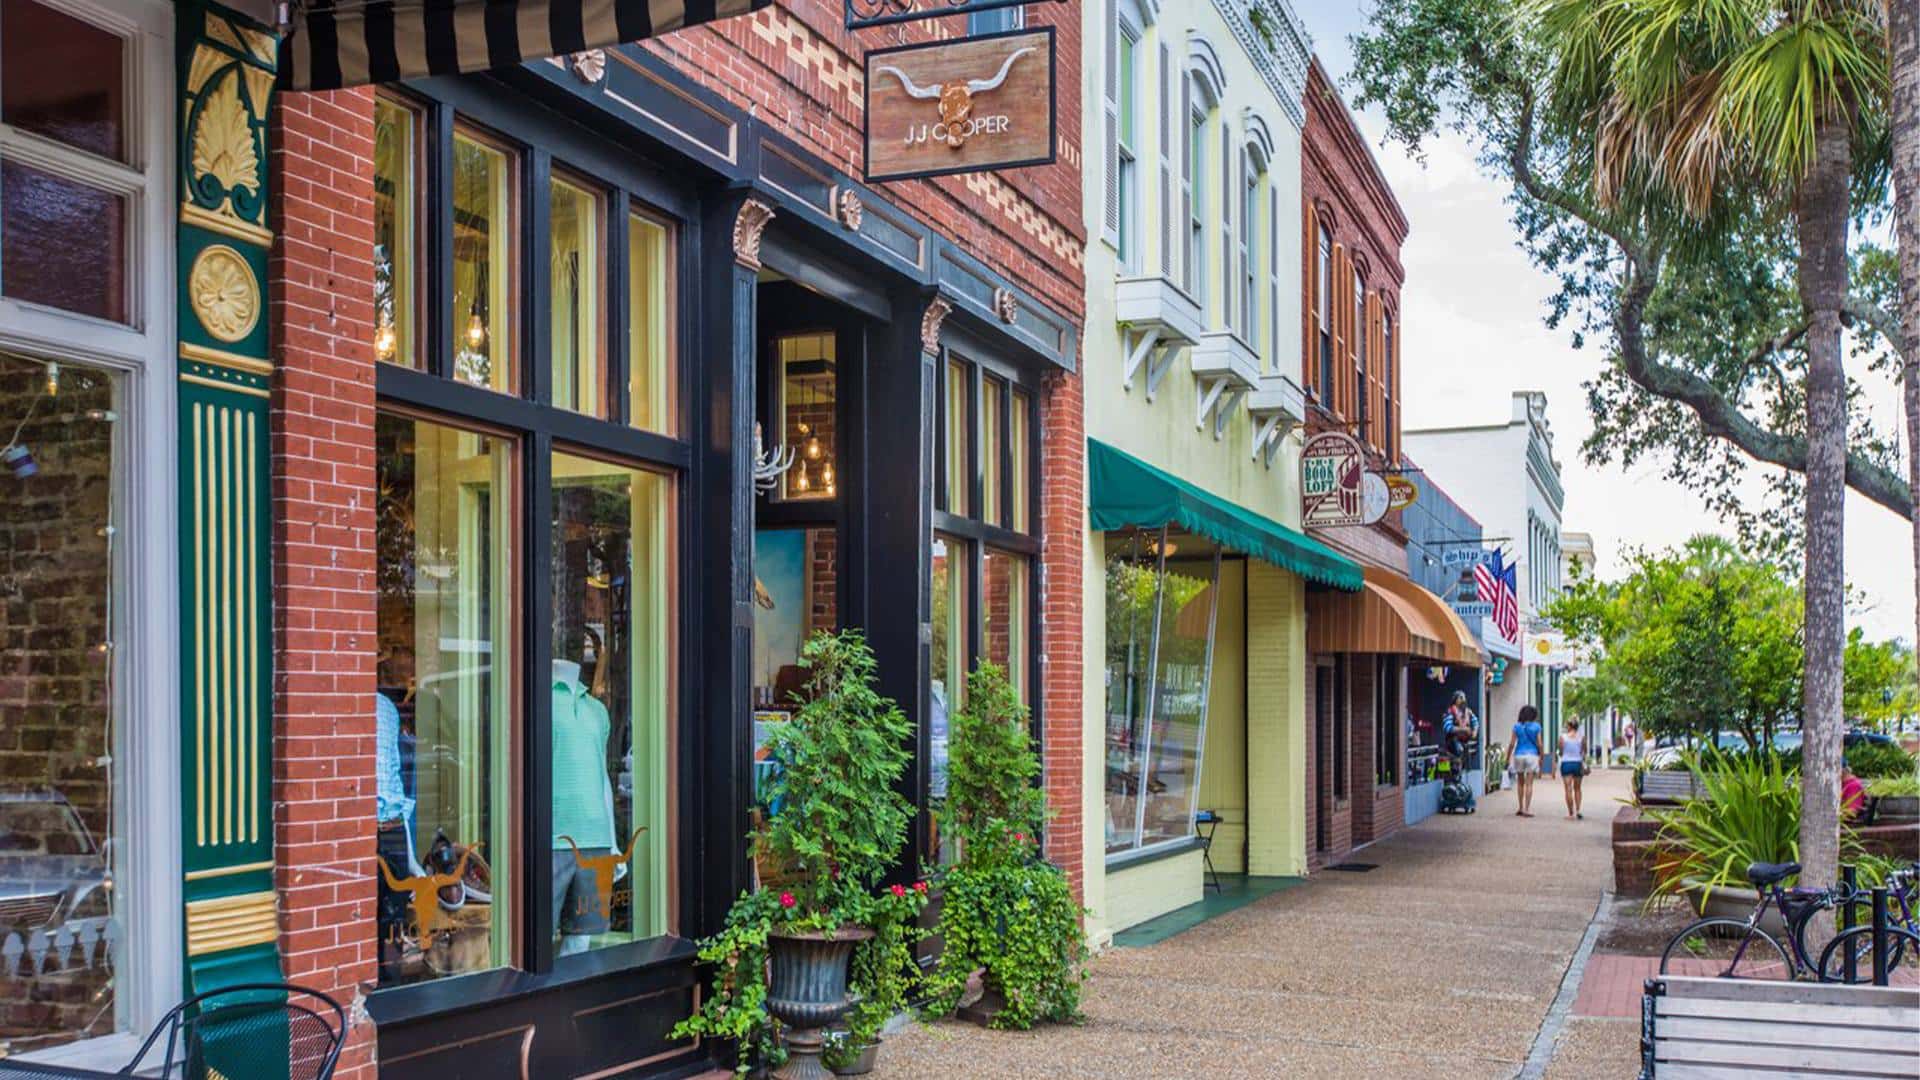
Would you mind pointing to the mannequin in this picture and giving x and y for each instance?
(583, 818)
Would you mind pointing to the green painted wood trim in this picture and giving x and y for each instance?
(224, 72)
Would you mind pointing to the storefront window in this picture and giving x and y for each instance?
(445, 527)
(63, 931)
(796, 592)
(1389, 720)
(1020, 453)
(650, 330)
(1159, 653)
(1006, 614)
(576, 266)
(483, 265)
(63, 243)
(959, 479)
(611, 702)
(993, 440)
(395, 203)
(63, 79)
(808, 388)
(949, 652)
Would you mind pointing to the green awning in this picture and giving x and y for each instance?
(1123, 491)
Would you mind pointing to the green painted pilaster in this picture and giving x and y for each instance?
(225, 80)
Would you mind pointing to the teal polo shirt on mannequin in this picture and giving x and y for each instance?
(582, 800)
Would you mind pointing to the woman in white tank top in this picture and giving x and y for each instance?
(1573, 766)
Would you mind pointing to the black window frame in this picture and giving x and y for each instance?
(540, 429)
(1388, 724)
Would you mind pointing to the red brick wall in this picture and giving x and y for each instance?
(1063, 526)
(1320, 749)
(321, 310)
(799, 69)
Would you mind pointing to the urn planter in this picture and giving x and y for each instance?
(808, 993)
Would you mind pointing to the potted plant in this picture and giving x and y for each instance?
(884, 975)
(1007, 917)
(782, 957)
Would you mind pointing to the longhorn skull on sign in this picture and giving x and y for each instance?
(956, 99)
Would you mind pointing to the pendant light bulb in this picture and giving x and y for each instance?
(826, 475)
(476, 330)
(53, 379)
(813, 449)
(385, 340)
(800, 479)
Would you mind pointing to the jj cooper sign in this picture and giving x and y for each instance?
(1332, 481)
(960, 106)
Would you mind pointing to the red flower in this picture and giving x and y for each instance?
(919, 886)
(787, 900)
(1020, 837)
(899, 890)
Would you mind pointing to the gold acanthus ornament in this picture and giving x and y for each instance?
(223, 139)
(224, 293)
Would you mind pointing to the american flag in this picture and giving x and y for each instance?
(1498, 584)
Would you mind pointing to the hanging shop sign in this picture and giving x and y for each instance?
(1375, 498)
(1473, 610)
(1332, 491)
(864, 13)
(1547, 648)
(961, 106)
(1401, 492)
(1468, 556)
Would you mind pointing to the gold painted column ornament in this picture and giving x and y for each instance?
(748, 224)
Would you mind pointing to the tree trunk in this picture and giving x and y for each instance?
(1822, 222)
(1903, 39)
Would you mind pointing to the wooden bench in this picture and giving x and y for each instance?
(1720, 1029)
(1668, 786)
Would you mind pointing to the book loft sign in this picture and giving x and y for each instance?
(1337, 489)
(969, 105)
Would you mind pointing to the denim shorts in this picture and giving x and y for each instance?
(1569, 768)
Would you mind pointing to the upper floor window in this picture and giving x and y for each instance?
(1323, 298)
(1126, 193)
(1197, 202)
(998, 20)
(1249, 212)
(1389, 434)
(1357, 406)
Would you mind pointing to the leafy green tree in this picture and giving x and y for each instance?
(1692, 642)
(1879, 681)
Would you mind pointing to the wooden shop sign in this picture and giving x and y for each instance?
(1333, 482)
(961, 106)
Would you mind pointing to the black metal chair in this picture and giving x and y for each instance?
(247, 1031)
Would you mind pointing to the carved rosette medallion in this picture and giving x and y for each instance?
(589, 67)
(1006, 306)
(224, 293)
(848, 208)
(748, 224)
(936, 314)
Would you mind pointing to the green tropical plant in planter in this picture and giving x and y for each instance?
(1005, 914)
(839, 830)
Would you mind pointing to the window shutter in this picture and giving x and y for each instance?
(1168, 262)
(1310, 352)
(1273, 271)
(1110, 229)
(1342, 281)
(1187, 269)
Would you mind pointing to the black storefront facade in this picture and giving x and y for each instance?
(803, 311)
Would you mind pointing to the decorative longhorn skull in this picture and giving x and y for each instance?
(956, 99)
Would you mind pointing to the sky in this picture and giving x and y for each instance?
(1473, 308)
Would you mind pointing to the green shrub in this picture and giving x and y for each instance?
(1894, 786)
(1870, 760)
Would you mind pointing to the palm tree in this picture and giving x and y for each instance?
(1706, 105)
(1903, 59)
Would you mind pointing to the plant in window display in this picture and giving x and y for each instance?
(839, 829)
(1007, 917)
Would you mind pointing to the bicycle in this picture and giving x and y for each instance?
(1902, 933)
(1724, 947)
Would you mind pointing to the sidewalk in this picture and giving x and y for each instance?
(1443, 961)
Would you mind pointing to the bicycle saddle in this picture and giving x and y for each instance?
(1763, 874)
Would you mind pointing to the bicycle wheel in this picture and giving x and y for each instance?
(1726, 949)
(1902, 945)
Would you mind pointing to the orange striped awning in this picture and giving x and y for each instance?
(1377, 619)
(1458, 645)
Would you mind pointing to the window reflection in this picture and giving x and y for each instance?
(394, 257)
(610, 693)
(959, 407)
(650, 366)
(482, 265)
(579, 364)
(444, 712)
(948, 661)
(1006, 609)
(1160, 601)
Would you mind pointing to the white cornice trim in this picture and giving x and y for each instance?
(1284, 66)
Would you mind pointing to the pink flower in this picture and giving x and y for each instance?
(787, 900)
(919, 886)
(899, 890)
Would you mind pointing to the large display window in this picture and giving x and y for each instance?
(1161, 600)
(529, 503)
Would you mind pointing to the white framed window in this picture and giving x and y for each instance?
(1197, 199)
(87, 400)
(1249, 214)
(1126, 143)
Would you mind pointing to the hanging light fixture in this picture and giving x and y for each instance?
(385, 340)
(826, 476)
(800, 479)
(476, 329)
(53, 379)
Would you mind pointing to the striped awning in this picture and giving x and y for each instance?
(336, 43)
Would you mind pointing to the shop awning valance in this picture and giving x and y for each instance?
(1376, 620)
(1125, 492)
(336, 43)
(1457, 643)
